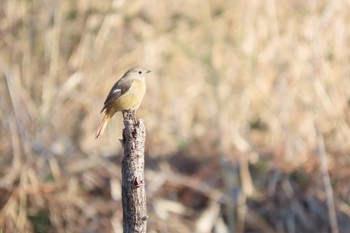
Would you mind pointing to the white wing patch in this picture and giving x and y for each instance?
(116, 90)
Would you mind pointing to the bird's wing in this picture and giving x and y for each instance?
(119, 88)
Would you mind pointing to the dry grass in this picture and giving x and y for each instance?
(241, 87)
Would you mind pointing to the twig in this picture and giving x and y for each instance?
(133, 182)
(327, 184)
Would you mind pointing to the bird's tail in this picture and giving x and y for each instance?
(103, 125)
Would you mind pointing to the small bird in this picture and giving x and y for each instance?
(126, 94)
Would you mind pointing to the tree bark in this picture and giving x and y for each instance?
(133, 182)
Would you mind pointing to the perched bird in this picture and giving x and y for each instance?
(126, 94)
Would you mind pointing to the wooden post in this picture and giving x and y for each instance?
(133, 181)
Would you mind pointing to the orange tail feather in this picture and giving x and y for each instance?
(103, 125)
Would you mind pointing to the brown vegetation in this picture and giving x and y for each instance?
(247, 114)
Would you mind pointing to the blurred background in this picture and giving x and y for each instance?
(246, 111)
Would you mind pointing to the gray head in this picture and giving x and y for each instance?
(137, 72)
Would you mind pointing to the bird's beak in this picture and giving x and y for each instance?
(148, 71)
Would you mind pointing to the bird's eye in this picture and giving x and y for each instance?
(140, 72)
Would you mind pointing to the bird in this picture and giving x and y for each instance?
(126, 94)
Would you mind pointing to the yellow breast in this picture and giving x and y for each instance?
(132, 99)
